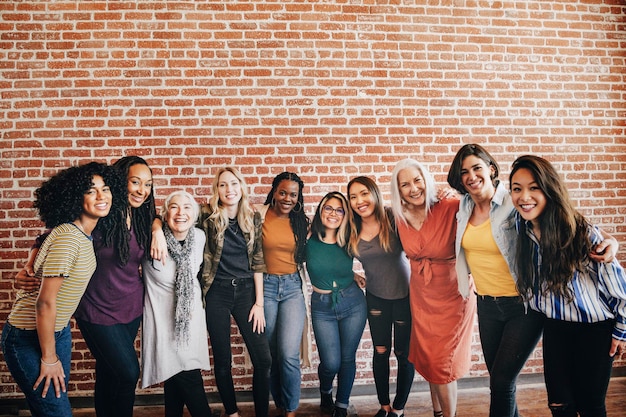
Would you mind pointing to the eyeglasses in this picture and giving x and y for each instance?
(338, 211)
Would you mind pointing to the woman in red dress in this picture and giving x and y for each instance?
(442, 319)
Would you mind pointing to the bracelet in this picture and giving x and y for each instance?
(258, 305)
(50, 364)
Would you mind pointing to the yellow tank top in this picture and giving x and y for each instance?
(486, 263)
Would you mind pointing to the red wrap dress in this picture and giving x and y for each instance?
(442, 321)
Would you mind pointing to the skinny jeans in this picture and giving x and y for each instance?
(117, 366)
(22, 353)
(577, 367)
(387, 318)
(285, 313)
(235, 298)
(509, 332)
(338, 328)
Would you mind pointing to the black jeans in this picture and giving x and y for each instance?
(117, 367)
(577, 367)
(222, 301)
(385, 317)
(508, 335)
(186, 388)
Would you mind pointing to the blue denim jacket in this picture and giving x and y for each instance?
(502, 227)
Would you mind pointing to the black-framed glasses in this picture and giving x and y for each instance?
(338, 211)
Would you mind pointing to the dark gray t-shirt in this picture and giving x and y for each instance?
(234, 260)
(387, 273)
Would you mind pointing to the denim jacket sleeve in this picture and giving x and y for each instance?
(462, 269)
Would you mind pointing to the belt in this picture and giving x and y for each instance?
(490, 298)
(235, 282)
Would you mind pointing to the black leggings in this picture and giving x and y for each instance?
(186, 388)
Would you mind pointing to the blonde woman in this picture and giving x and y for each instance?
(232, 285)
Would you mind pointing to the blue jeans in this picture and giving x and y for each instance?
(117, 367)
(387, 317)
(508, 334)
(23, 354)
(285, 312)
(222, 301)
(338, 330)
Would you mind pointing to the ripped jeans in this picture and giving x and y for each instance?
(386, 317)
(577, 367)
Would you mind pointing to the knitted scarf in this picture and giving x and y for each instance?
(183, 283)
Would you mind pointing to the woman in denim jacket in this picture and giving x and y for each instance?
(486, 249)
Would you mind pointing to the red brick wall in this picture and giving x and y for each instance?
(329, 89)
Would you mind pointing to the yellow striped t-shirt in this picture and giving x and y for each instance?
(67, 252)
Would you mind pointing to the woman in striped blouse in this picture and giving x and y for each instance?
(36, 339)
(584, 300)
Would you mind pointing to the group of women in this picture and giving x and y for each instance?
(428, 264)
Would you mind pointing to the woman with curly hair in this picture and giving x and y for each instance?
(285, 228)
(584, 300)
(36, 339)
(232, 285)
(110, 311)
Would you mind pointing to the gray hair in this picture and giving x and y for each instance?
(396, 198)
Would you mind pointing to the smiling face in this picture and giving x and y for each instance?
(139, 184)
(528, 198)
(412, 186)
(180, 216)
(361, 200)
(97, 200)
(332, 213)
(229, 190)
(476, 177)
(285, 197)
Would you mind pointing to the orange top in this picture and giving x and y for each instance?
(279, 245)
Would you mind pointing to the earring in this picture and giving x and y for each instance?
(299, 208)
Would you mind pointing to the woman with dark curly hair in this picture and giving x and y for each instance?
(111, 309)
(285, 228)
(36, 339)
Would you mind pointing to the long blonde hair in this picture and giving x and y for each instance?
(245, 212)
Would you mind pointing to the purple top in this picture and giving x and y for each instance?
(115, 293)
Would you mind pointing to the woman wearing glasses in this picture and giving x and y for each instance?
(338, 307)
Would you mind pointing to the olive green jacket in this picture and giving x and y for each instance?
(213, 248)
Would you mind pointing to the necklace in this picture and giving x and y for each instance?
(233, 225)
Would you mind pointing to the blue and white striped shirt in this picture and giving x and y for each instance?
(599, 292)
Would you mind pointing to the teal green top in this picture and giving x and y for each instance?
(329, 265)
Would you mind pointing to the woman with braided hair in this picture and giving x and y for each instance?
(285, 228)
(110, 311)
